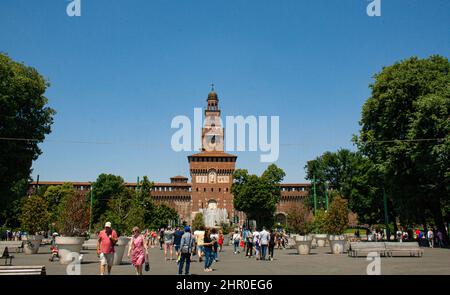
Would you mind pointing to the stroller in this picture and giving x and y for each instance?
(55, 254)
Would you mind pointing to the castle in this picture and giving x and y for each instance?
(211, 172)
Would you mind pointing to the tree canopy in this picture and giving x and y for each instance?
(104, 189)
(258, 196)
(25, 121)
(34, 215)
(405, 130)
(355, 177)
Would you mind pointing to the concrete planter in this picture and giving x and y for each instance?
(337, 244)
(321, 239)
(67, 245)
(31, 244)
(303, 244)
(90, 244)
(119, 249)
(226, 240)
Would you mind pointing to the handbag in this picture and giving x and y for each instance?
(185, 249)
(147, 263)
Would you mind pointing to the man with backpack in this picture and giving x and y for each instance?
(186, 248)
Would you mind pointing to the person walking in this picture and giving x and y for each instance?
(257, 244)
(161, 238)
(220, 240)
(430, 236)
(208, 245)
(168, 242)
(264, 238)
(177, 241)
(272, 241)
(107, 238)
(236, 240)
(137, 250)
(249, 244)
(215, 238)
(187, 244)
(199, 238)
(440, 238)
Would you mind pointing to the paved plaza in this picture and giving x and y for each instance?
(319, 262)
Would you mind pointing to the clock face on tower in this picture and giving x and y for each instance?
(212, 177)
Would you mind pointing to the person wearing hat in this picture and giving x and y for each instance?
(107, 238)
(186, 248)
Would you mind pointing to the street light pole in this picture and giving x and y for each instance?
(386, 217)
(137, 186)
(314, 194)
(326, 194)
(90, 211)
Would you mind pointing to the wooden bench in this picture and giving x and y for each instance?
(358, 249)
(38, 270)
(13, 246)
(408, 248)
(6, 255)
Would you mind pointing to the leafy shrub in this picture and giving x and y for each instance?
(299, 219)
(34, 216)
(73, 215)
(337, 216)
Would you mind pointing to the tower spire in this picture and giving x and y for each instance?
(212, 87)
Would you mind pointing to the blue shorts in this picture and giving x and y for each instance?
(177, 248)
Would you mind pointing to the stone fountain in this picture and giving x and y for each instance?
(214, 216)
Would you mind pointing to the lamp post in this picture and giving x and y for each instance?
(314, 194)
(90, 210)
(326, 195)
(137, 186)
(386, 217)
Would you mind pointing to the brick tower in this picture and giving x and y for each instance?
(212, 169)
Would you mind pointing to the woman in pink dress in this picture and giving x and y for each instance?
(137, 250)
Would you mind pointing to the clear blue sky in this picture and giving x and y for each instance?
(124, 69)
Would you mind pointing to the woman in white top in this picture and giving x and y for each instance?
(236, 240)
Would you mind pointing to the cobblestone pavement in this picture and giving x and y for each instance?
(319, 262)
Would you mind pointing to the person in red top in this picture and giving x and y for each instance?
(107, 238)
(220, 241)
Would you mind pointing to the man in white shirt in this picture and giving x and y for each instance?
(264, 237)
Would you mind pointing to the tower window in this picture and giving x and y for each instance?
(204, 189)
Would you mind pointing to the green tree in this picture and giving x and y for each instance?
(405, 130)
(105, 188)
(25, 121)
(73, 215)
(53, 196)
(319, 225)
(145, 198)
(337, 216)
(163, 214)
(34, 216)
(198, 223)
(118, 210)
(257, 196)
(355, 177)
(299, 219)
